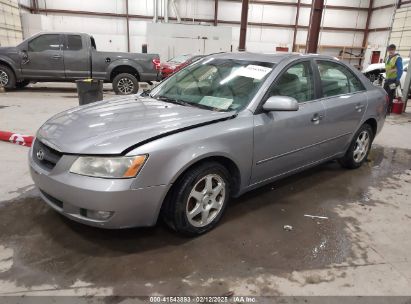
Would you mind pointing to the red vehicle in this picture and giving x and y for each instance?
(177, 63)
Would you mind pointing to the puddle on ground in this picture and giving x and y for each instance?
(49, 249)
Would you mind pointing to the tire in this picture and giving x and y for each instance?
(188, 196)
(22, 84)
(125, 84)
(7, 77)
(359, 148)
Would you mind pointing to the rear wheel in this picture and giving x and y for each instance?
(7, 77)
(359, 148)
(125, 84)
(198, 200)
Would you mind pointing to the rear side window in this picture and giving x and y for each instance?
(44, 43)
(337, 79)
(296, 82)
(74, 43)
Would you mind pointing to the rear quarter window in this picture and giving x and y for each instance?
(74, 43)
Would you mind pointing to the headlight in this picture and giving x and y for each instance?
(108, 167)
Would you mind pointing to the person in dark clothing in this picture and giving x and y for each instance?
(393, 72)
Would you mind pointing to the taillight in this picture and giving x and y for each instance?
(156, 63)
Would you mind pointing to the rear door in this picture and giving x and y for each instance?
(44, 58)
(289, 140)
(76, 57)
(345, 100)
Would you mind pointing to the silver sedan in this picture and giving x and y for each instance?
(220, 127)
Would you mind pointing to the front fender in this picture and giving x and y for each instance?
(199, 156)
(14, 66)
(170, 156)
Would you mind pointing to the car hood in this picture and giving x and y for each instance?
(374, 66)
(8, 49)
(113, 126)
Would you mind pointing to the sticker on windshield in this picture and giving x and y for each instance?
(216, 102)
(253, 71)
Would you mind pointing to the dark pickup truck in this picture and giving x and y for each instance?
(55, 57)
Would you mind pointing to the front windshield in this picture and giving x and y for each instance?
(216, 84)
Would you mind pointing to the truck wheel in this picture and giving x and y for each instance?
(198, 200)
(125, 84)
(22, 84)
(7, 77)
(359, 148)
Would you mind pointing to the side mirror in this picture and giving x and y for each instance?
(280, 103)
(145, 93)
(24, 57)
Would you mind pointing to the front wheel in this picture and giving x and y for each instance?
(198, 200)
(359, 148)
(7, 77)
(125, 84)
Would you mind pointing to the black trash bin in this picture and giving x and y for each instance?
(89, 90)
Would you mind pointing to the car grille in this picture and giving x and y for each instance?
(45, 156)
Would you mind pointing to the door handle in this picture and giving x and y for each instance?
(316, 118)
(56, 56)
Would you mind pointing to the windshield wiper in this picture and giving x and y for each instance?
(185, 103)
(172, 100)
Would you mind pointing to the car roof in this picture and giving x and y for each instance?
(266, 57)
(61, 33)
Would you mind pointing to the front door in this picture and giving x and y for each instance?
(345, 101)
(286, 141)
(44, 59)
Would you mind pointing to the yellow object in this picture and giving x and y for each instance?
(135, 166)
(390, 67)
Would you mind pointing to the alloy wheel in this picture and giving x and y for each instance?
(361, 146)
(206, 200)
(125, 85)
(4, 78)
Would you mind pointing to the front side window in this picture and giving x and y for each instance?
(44, 43)
(296, 82)
(216, 84)
(337, 79)
(74, 43)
